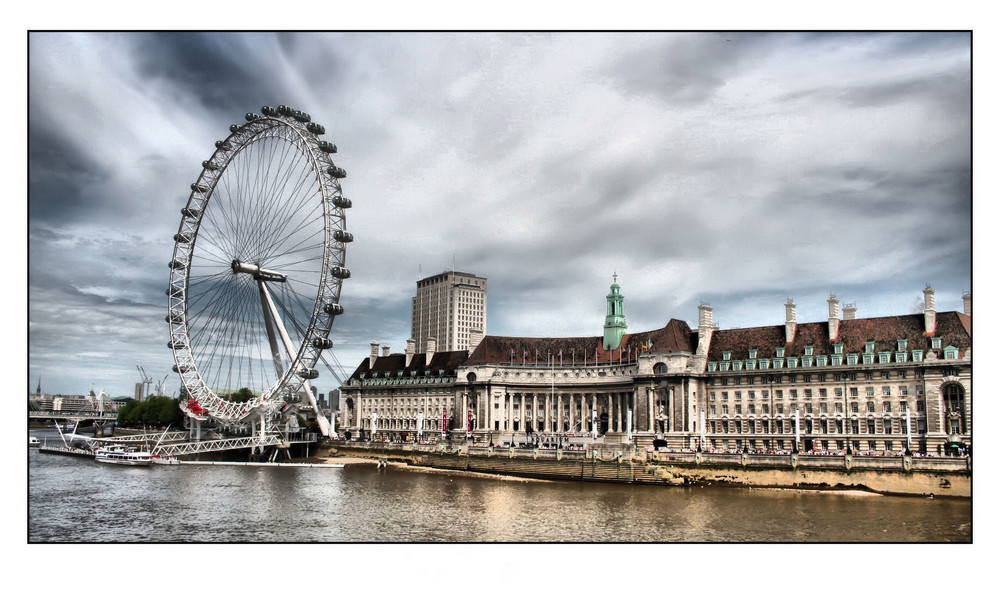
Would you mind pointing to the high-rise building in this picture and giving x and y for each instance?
(451, 309)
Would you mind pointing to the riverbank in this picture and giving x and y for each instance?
(902, 475)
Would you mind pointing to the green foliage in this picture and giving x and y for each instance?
(155, 412)
(242, 396)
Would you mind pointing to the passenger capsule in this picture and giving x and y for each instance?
(191, 212)
(251, 116)
(340, 272)
(328, 147)
(183, 368)
(340, 202)
(175, 319)
(285, 110)
(222, 145)
(234, 128)
(302, 117)
(333, 309)
(177, 265)
(176, 345)
(209, 165)
(322, 343)
(175, 291)
(199, 188)
(182, 238)
(309, 373)
(316, 128)
(269, 111)
(343, 236)
(336, 172)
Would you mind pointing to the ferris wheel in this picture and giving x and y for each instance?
(257, 269)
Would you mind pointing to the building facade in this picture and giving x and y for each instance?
(872, 385)
(451, 309)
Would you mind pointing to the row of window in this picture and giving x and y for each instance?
(838, 408)
(853, 392)
(886, 426)
(778, 379)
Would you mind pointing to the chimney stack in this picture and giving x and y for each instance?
(374, 354)
(850, 311)
(789, 321)
(385, 350)
(431, 348)
(411, 347)
(930, 316)
(705, 328)
(834, 316)
(967, 300)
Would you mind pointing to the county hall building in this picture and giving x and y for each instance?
(869, 385)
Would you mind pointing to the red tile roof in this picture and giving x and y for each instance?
(953, 328)
(675, 336)
(391, 365)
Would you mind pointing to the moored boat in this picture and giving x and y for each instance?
(34, 442)
(121, 454)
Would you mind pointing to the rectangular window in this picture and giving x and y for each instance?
(753, 354)
(887, 426)
(902, 406)
(854, 391)
(752, 408)
(901, 356)
(821, 361)
(809, 393)
(883, 357)
(781, 408)
(739, 395)
(855, 428)
(935, 343)
(854, 407)
(739, 409)
(795, 393)
(838, 392)
(921, 406)
(822, 392)
(871, 406)
(752, 394)
(903, 390)
(823, 407)
(779, 394)
(869, 391)
(809, 408)
(725, 395)
(725, 408)
(838, 407)
(888, 445)
(808, 350)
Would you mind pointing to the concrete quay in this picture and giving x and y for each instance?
(889, 475)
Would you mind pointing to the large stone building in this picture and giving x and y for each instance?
(451, 309)
(879, 385)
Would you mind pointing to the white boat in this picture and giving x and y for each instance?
(120, 454)
(34, 442)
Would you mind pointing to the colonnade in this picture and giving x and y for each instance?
(508, 411)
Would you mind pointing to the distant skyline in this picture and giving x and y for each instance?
(739, 169)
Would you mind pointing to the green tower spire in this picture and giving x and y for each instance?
(614, 322)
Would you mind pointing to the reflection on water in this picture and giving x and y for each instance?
(75, 500)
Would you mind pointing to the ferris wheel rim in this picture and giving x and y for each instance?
(314, 334)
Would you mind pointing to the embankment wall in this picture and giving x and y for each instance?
(897, 475)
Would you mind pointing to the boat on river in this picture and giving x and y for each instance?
(121, 454)
(34, 442)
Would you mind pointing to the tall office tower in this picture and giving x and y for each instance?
(451, 308)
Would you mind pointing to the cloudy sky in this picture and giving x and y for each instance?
(739, 169)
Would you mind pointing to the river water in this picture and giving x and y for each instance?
(77, 500)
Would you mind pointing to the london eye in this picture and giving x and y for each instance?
(257, 269)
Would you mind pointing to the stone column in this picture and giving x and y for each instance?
(559, 413)
(508, 399)
(621, 411)
(572, 411)
(651, 407)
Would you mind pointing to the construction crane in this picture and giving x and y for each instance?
(159, 387)
(146, 381)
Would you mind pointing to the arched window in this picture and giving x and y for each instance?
(660, 368)
(953, 396)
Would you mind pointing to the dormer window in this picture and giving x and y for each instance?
(935, 343)
(838, 348)
(901, 345)
(951, 353)
(883, 357)
(808, 350)
(852, 359)
(821, 361)
(779, 352)
(712, 366)
(869, 347)
(793, 362)
(918, 355)
(726, 355)
(753, 354)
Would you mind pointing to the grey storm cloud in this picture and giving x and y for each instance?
(736, 168)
